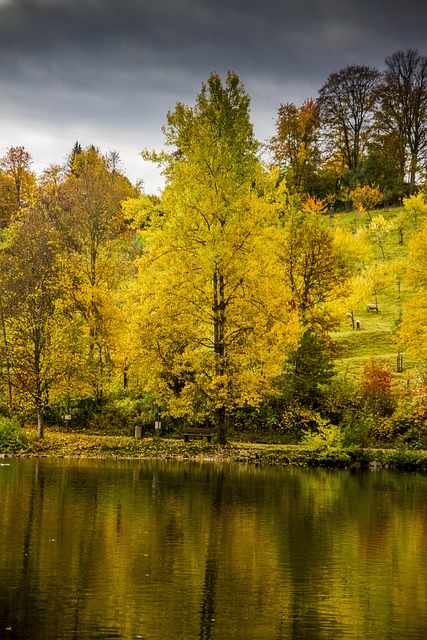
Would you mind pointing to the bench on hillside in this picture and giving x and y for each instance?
(198, 432)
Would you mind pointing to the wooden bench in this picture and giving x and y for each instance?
(198, 432)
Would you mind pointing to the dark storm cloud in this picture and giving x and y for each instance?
(110, 69)
(192, 32)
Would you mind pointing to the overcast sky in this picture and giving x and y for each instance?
(106, 72)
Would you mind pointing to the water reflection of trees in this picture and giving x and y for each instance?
(168, 551)
(213, 553)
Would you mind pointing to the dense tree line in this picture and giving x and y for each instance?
(366, 127)
(218, 299)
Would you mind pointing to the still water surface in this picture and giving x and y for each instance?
(136, 549)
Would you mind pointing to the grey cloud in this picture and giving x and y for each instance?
(271, 38)
(115, 68)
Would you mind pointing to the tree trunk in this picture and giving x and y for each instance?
(8, 378)
(40, 422)
(412, 174)
(221, 424)
(218, 308)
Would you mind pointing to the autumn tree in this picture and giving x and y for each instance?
(8, 203)
(385, 165)
(207, 285)
(17, 181)
(346, 103)
(96, 256)
(415, 206)
(376, 388)
(412, 333)
(30, 289)
(295, 147)
(357, 249)
(312, 204)
(314, 267)
(378, 278)
(380, 228)
(366, 198)
(403, 107)
(314, 271)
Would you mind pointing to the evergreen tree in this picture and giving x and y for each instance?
(308, 369)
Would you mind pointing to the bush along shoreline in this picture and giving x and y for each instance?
(17, 442)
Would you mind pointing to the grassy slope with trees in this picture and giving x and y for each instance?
(375, 339)
(234, 298)
(377, 330)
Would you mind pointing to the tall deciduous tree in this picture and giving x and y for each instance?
(403, 106)
(346, 102)
(314, 272)
(18, 180)
(295, 147)
(96, 258)
(385, 164)
(29, 293)
(209, 257)
(8, 203)
(314, 267)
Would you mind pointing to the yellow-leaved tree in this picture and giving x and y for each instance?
(96, 261)
(366, 198)
(315, 270)
(17, 182)
(412, 334)
(415, 206)
(380, 228)
(210, 311)
(29, 312)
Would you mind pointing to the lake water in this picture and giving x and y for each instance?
(139, 549)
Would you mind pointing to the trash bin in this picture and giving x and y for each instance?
(138, 431)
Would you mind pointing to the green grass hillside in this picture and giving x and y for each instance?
(374, 338)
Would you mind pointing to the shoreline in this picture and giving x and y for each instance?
(58, 444)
